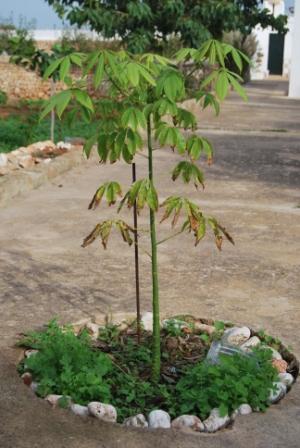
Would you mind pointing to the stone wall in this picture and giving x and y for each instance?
(17, 82)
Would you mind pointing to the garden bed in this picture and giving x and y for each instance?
(211, 371)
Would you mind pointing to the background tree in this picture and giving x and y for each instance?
(146, 93)
(146, 25)
(22, 49)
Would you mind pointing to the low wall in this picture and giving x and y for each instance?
(17, 82)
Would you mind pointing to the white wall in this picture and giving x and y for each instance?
(294, 88)
(261, 71)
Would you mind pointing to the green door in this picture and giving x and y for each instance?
(276, 48)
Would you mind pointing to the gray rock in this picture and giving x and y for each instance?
(278, 394)
(215, 422)
(159, 419)
(236, 335)
(188, 421)
(286, 378)
(102, 411)
(53, 399)
(139, 421)
(79, 410)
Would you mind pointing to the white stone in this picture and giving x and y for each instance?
(275, 353)
(53, 399)
(236, 335)
(79, 410)
(105, 412)
(3, 159)
(31, 352)
(188, 421)
(252, 342)
(286, 378)
(64, 145)
(278, 394)
(147, 321)
(215, 422)
(48, 160)
(139, 421)
(244, 409)
(159, 419)
(93, 330)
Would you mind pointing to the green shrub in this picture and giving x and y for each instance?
(66, 365)
(3, 97)
(234, 381)
(13, 134)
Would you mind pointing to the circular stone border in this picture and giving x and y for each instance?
(242, 338)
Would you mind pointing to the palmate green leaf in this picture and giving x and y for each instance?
(152, 198)
(87, 148)
(103, 231)
(77, 58)
(171, 84)
(48, 108)
(133, 118)
(185, 119)
(164, 106)
(237, 87)
(64, 68)
(222, 85)
(209, 79)
(84, 99)
(99, 72)
(62, 100)
(59, 102)
(208, 99)
(146, 75)
(188, 171)
(133, 73)
(185, 54)
(167, 135)
(178, 205)
(52, 67)
(141, 192)
(196, 145)
(91, 61)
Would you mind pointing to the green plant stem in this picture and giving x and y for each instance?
(156, 355)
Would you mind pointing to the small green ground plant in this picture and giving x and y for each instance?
(117, 370)
(143, 97)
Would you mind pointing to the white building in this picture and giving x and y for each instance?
(274, 51)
